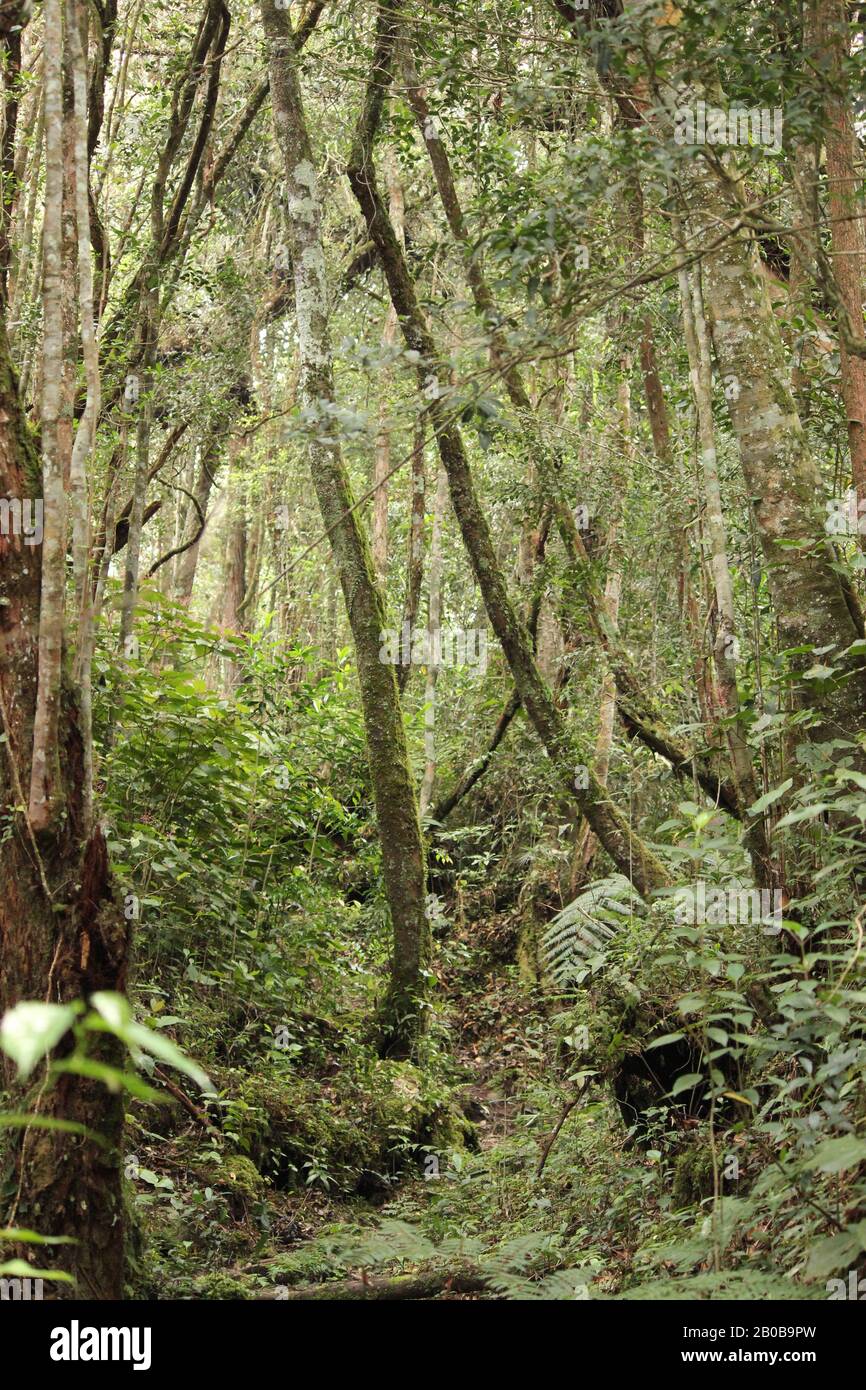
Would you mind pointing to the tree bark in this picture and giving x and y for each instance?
(45, 787)
(415, 562)
(631, 855)
(725, 644)
(382, 459)
(434, 638)
(814, 609)
(401, 1288)
(404, 1012)
(85, 437)
(62, 935)
(828, 21)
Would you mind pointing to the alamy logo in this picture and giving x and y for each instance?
(731, 905)
(22, 518)
(23, 1290)
(710, 125)
(855, 1290)
(75, 1343)
(447, 646)
(845, 515)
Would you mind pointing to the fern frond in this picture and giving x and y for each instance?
(576, 941)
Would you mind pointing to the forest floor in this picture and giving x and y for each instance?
(474, 1200)
(494, 1166)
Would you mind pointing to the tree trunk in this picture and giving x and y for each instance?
(235, 568)
(82, 449)
(814, 608)
(415, 563)
(196, 518)
(811, 605)
(726, 643)
(625, 847)
(382, 460)
(62, 936)
(434, 639)
(396, 806)
(635, 708)
(586, 841)
(45, 785)
(828, 21)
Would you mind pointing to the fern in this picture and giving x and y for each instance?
(576, 942)
(513, 1271)
(733, 1285)
(394, 1242)
(517, 1269)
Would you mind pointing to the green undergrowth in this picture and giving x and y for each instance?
(705, 1083)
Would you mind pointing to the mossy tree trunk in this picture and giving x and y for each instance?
(631, 855)
(829, 41)
(814, 606)
(640, 717)
(393, 786)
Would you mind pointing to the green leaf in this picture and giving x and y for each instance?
(21, 1236)
(114, 1009)
(663, 1041)
(111, 1077)
(116, 1013)
(769, 797)
(804, 813)
(686, 1082)
(819, 672)
(32, 1029)
(835, 1155)
(18, 1120)
(20, 1269)
(690, 1003)
(834, 1252)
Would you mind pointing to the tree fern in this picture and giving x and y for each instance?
(576, 942)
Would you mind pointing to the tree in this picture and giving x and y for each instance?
(396, 804)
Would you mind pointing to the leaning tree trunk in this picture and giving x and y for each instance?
(628, 851)
(393, 787)
(634, 706)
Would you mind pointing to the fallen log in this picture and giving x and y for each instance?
(399, 1288)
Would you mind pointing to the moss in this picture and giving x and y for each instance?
(406, 1103)
(288, 1123)
(346, 1132)
(238, 1176)
(309, 1265)
(529, 955)
(224, 1286)
(693, 1177)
